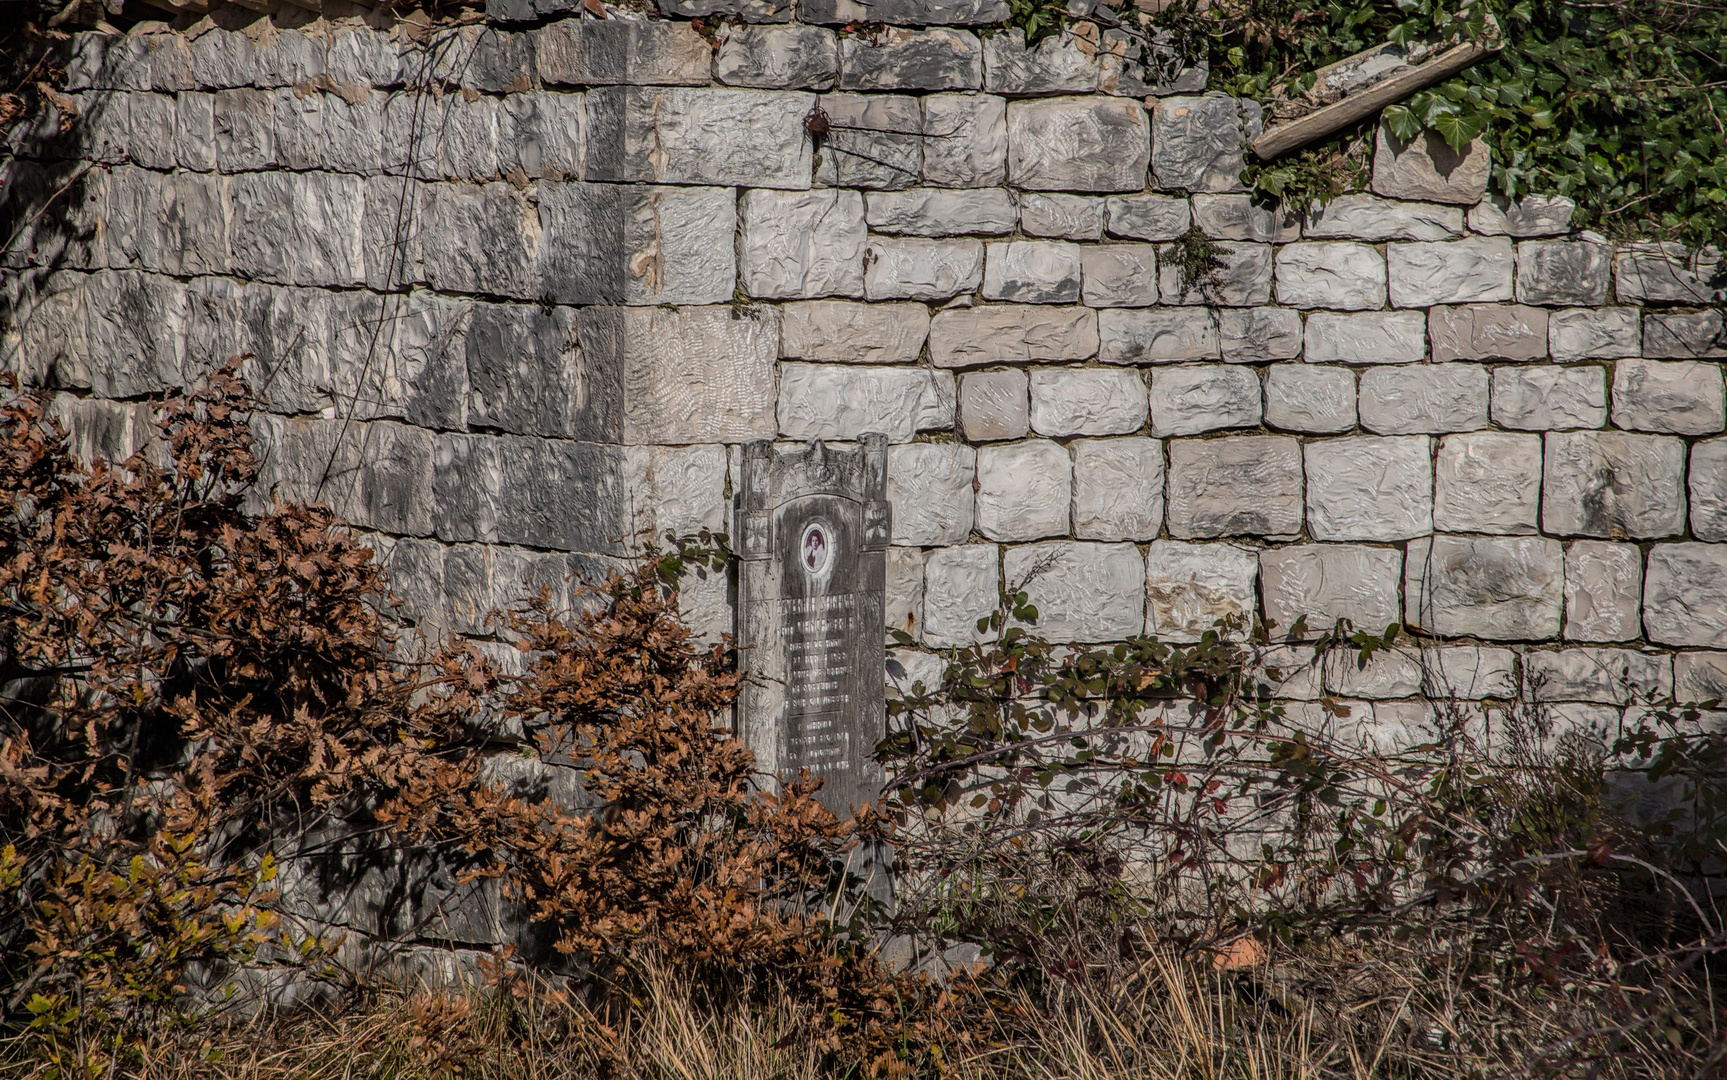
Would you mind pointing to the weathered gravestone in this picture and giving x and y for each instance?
(813, 525)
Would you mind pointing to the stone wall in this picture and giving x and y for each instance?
(516, 290)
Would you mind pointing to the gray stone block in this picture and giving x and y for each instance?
(675, 489)
(1254, 335)
(527, 375)
(994, 405)
(483, 238)
(1487, 332)
(1487, 481)
(565, 496)
(1613, 485)
(1316, 400)
(1147, 217)
(1476, 270)
(354, 135)
(1032, 272)
(898, 59)
(501, 63)
(299, 133)
(299, 229)
(1603, 591)
(904, 607)
(1424, 398)
(170, 62)
(1669, 274)
(1066, 217)
(358, 58)
(941, 211)
(964, 140)
(395, 356)
(1239, 275)
(755, 11)
(1369, 488)
(245, 126)
(1191, 399)
(1469, 672)
(1237, 217)
(1077, 144)
(609, 52)
(1119, 275)
(1339, 274)
(1086, 401)
(119, 335)
(1327, 582)
(1532, 215)
(288, 59)
(542, 134)
(778, 58)
(467, 483)
(392, 226)
(841, 332)
(1368, 337)
(961, 586)
(1157, 335)
(1708, 481)
(1241, 485)
(919, 269)
(1681, 397)
(907, 13)
(466, 147)
(1699, 676)
(1025, 490)
(1196, 143)
(1010, 333)
(1368, 217)
(374, 475)
(1543, 398)
(1496, 587)
(1598, 334)
(151, 138)
(1563, 272)
(1693, 335)
(1117, 489)
(221, 59)
(691, 135)
(690, 375)
(1388, 673)
(845, 401)
(930, 487)
(1685, 595)
(1082, 592)
(635, 244)
(873, 141)
(1190, 588)
(1061, 63)
(802, 244)
(1603, 676)
(1427, 169)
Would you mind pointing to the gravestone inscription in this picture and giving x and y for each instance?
(813, 524)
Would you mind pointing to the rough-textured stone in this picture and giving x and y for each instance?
(1196, 143)
(1468, 672)
(873, 141)
(360, 58)
(375, 475)
(1254, 335)
(941, 211)
(1563, 272)
(1487, 332)
(1476, 270)
(1061, 63)
(1316, 400)
(1189, 588)
(1032, 272)
(960, 586)
(1700, 676)
(1238, 275)
(1682, 397)
(289, 59)
(1065, 217)
(245, 125)
(1369, 488)
(1544, 398)
(903, 609)
(907, 12)
(1428, 170)
(1709, 489)
(305, 230)
(1603, 591)
(1086, 401)
(1243, 485)
(1487, 481)
(901, 59)
(151, 139)
(1494, 587)
(1593, 334)
(1605, 676)
(677, 489)
(526, 374)
(1613, 485)
(843, 332)
(1330, 275)
(802, 244)
(1236, 217)
(1117, 488)
(919, 269)
(633, 244)
(964, 140)
(1368, 337)
(1388, 673)
(1190, 399)
(1685, 595)
(1025, 490)
(1157, 335)
(1685, 336)
(1082, 592)
(1011, 333)
(995, 405)
(1368, 217)
(930, 487)
(194, 144)
(221, 59)
(1077, 144)
(1532, 215)
(608, 52)
(698, 135)
(1424, 398)
(1119, 275)
(1147, 217)
(1326, 582)
(1669, 274)
(778, 58)
(844, 401)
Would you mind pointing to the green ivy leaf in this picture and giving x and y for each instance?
(1402, 122)
(1457, 130)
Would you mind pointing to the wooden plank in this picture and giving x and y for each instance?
(1322, 122)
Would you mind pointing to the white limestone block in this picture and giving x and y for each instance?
(1369, 487)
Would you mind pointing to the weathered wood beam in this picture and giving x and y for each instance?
(1363, 103)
